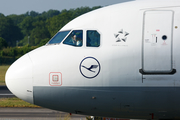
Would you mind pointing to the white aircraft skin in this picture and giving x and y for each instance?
(133, 73)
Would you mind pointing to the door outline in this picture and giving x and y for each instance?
(172, 71)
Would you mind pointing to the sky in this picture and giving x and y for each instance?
(8, 7)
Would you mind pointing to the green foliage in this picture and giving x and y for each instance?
(16, 51)
(1, 15)
(43, 42)
(32, 29)
(9, 31)
(50, 13)
(34, 14)
(38, 26)
(3, 43)
(57, 22)
(17, 19)
(39, 32)
(26, 25)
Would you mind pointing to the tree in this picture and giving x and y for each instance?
(9, 31)
(3, 43)
(57, 22)
(39, 26)
(34, 14)
(2, 15)
(39, 32)
(79, 11)
(17, 19)
(50, 13)
(26, 25)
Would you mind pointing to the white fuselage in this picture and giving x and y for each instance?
(131, 73)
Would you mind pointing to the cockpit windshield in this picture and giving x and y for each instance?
(75, 38)
(58, 37)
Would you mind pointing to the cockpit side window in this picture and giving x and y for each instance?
(58, 37)
(93, 38)
(75, 38)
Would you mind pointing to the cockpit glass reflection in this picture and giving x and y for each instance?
(93, 38)
(58, 37)
(75, 38)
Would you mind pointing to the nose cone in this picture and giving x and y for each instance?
(19, 78)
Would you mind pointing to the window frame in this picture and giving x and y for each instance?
(100, 36)
(70, 33)
(61, 41)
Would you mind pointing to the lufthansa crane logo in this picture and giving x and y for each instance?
(89, 67)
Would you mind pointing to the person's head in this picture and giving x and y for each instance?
(74, 37)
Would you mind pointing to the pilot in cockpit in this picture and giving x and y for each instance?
(77, 40)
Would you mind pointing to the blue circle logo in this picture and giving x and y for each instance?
(89, 67)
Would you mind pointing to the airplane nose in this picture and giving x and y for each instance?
(19, 78)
